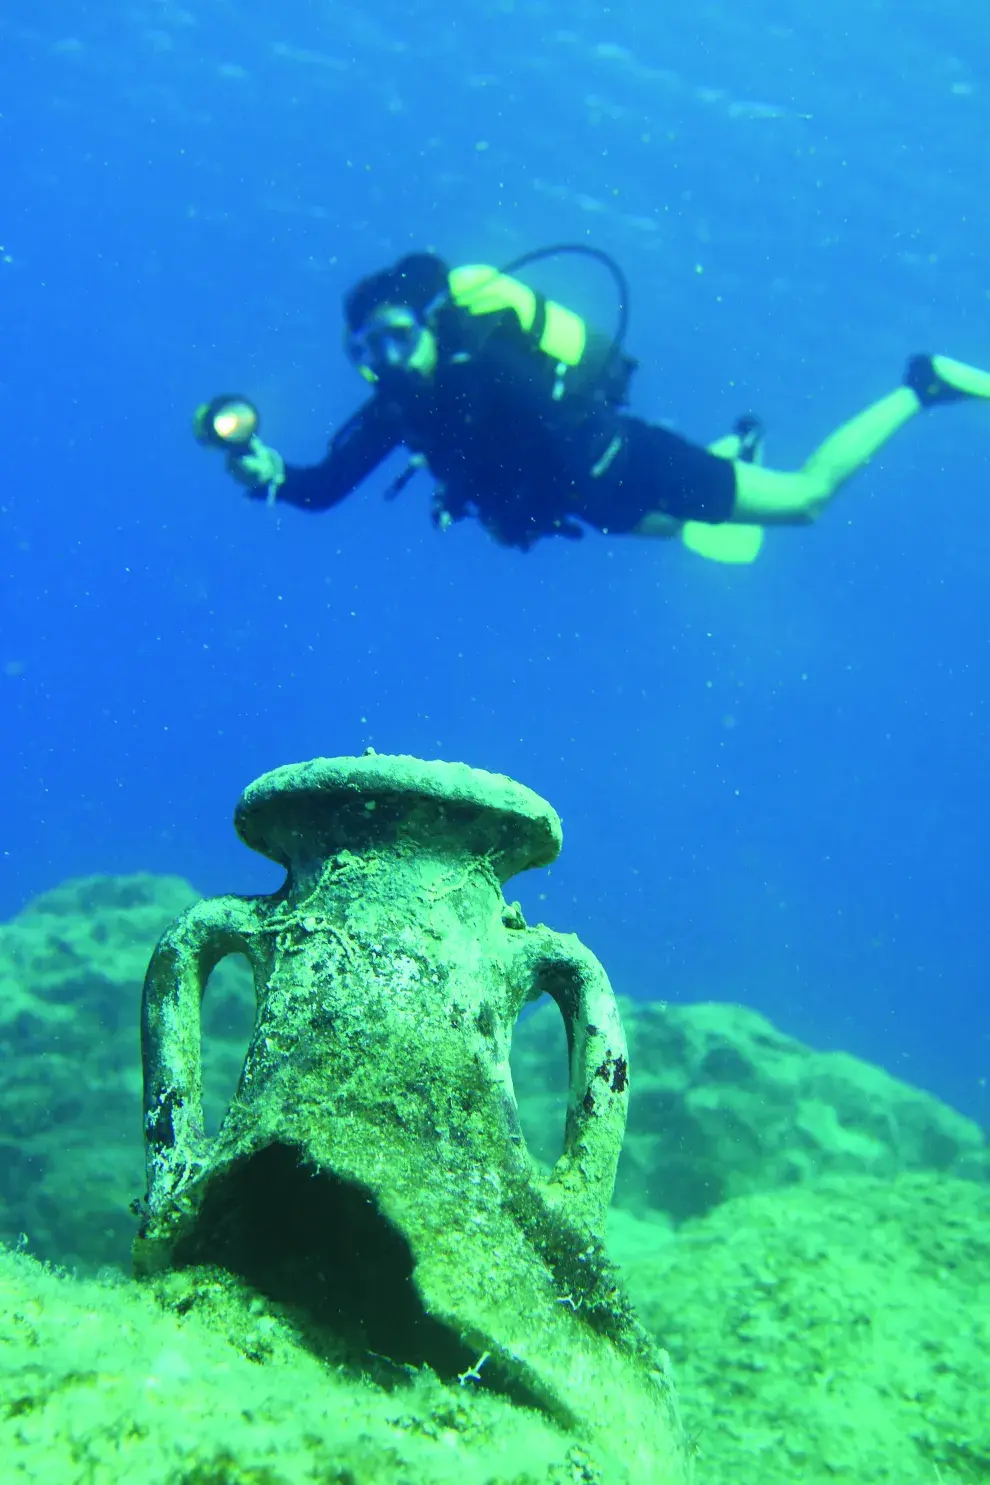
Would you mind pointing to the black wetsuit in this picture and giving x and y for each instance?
(528, 453)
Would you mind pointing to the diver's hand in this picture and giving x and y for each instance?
(259, 467)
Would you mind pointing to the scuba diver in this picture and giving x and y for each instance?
(519, 412)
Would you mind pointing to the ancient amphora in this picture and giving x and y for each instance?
(370, 1171)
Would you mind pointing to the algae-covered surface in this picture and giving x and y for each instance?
(807, 1237)
(835, 1332)
(197, 1382)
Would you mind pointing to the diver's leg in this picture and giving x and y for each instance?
(769, 497)
(658, 525)
(744, 443)
(938, 379)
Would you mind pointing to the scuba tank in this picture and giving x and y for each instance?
(585, 359)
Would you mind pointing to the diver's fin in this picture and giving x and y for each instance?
(723, 543)
(938, 379)
(751, 433)
(727, 543)
(744, 443)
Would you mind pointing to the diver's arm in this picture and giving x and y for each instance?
(356, 449)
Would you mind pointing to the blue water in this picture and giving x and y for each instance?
(773, 779)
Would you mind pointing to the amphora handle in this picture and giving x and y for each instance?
(583, 1179)
(171, 1034)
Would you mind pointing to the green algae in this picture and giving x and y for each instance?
(838, 1332)
(197, 1381)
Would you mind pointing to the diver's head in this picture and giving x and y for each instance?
(389, 333)
(392, 342)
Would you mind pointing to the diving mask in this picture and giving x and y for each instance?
(392, 340)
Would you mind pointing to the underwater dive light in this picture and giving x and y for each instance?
(229, 422)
